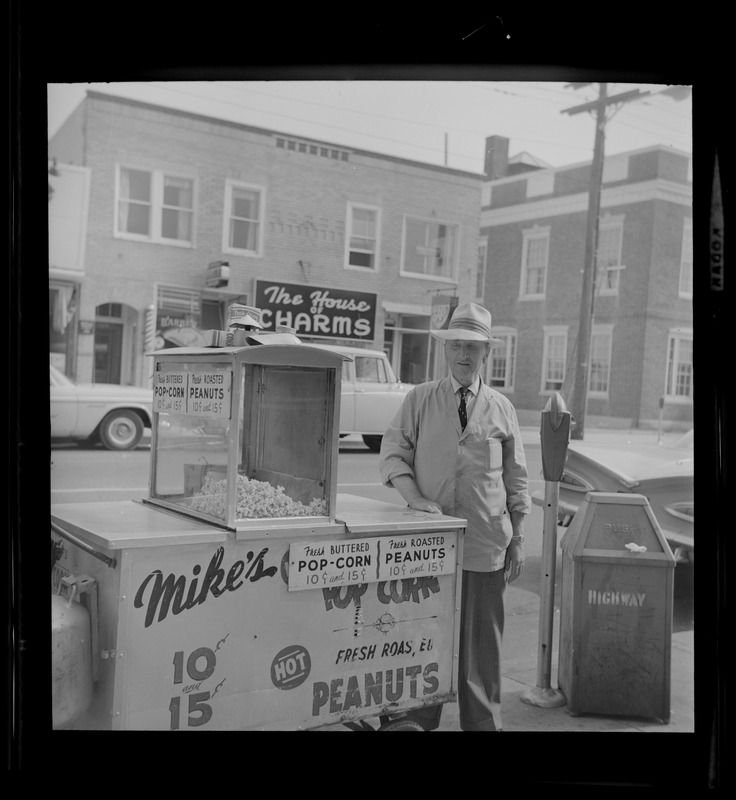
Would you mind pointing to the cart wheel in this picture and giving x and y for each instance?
(401, 725)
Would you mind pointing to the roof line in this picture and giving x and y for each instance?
(93, 94)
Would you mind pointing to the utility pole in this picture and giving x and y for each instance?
(579, 398)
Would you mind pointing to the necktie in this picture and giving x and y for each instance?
(462, 410)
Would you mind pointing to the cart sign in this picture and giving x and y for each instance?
(317, 311)
(204, 634)
(200, 393)
(317, 565)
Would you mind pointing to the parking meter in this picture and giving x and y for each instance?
(555, 434)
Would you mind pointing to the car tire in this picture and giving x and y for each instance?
(373, 442)
(121, 430)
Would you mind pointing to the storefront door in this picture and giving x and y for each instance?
(108, 352)
(414, 357)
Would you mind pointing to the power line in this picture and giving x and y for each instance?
(665, 128)
(437, 152)
(302, 120)
(357, 111)
(446, 128)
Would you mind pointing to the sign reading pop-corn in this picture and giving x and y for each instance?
(170, 392)
(200, 393)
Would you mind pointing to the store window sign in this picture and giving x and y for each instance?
(177, 329)
(203, 393)
(317, 311)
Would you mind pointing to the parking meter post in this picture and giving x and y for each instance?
(547, 607)
(555, 435)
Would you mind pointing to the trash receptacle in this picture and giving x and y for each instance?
(616, 610)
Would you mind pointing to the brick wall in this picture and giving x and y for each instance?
(305, 211)
(646, 307)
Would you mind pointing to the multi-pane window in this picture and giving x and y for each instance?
(176, 211)
(134, 202)
(154, 205)
(480, 284)
(554, 359)
(534, 257)
(362, 238)
(178, 307)
(243, 218)
(502, 361)
(686, 260)
(430, 249)
(599, 359)
(679, 377)
(608, 256)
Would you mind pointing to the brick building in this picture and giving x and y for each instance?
(160, 219)
(533, 227)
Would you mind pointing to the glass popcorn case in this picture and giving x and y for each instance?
(246, 437)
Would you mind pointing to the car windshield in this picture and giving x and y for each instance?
(684, 442)
(357, 353)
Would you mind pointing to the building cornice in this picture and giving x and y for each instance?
(624, 194)
(95, 95)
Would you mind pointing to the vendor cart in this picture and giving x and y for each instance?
(244, 592)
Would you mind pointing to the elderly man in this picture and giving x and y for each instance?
(455, 448)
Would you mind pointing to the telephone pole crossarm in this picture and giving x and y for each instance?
(623, 97)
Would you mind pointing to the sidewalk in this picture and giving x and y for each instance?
(521, 634)
(519, 669)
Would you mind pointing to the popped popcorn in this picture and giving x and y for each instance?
(255, 499)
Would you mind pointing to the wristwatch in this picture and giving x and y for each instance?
(518, 539)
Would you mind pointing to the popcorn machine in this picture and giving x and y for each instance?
(244, 592)
(245, 436)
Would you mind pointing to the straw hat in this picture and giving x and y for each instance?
(272, 338)
(469, 322)
(244, 321)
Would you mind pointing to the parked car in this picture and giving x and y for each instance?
(114, 415)
(662, 473)
(371, 393)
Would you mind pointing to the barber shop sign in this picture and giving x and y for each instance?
(317, 311)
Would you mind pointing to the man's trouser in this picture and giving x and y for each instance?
(479, 667)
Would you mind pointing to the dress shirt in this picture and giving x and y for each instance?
(473, 390)
(478, 474)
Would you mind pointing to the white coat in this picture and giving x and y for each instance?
(478, 474)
